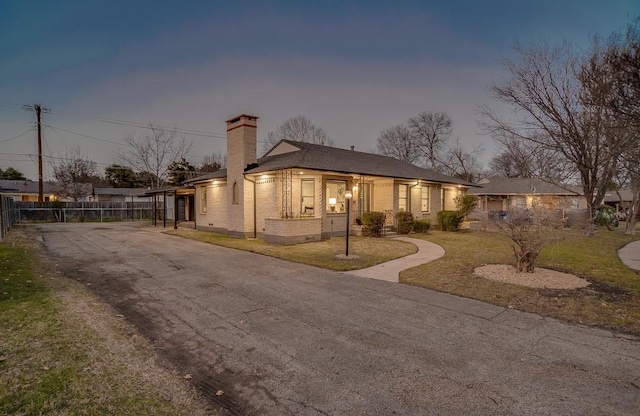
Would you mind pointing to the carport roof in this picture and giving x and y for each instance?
(182, 190)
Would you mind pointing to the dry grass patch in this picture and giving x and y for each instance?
(64, 352)
(370, 251)
(612, 300)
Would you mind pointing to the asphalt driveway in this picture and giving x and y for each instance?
(279, 338)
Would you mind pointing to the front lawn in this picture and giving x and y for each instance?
(370, 251)
(611, 301)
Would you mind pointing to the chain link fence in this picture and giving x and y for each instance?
(85, 211)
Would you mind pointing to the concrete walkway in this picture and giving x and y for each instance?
(390, 271)
(630, 255)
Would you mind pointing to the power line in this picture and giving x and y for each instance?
(84, 135)
(139, 124)
(148, 126)
(19, 135)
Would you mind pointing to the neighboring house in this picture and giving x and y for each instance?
(27, 191)
(620, 200)
(502, 194)
(120, 195)
(297, 191)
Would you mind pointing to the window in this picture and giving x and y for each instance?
(335, 196)
(203, 199)
(519, 202)
(425, 192)
(307, 194)
(234, 200)
(575, 203)
(364, 198)
(403, 191)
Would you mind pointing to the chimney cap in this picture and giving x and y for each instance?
(240, 117)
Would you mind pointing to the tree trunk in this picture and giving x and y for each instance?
(525, 261)
(633, 214)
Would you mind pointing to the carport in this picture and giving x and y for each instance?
(174, 204)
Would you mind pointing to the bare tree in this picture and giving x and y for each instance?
(299, 129)
(431, 133)
(75, 174)
(153, 151)
(529, 231)
(399, 143)
(458, 162)
(623, 55)
(559, 97)
(526, 159)
(628, 176)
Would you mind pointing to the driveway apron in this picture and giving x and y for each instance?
(279, 338)
(630, 255)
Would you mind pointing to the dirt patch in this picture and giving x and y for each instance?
(541, 278)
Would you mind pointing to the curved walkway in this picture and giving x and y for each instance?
(630, 255)
(390, 271)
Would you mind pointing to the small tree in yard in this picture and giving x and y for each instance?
(466, 204)
(529, 232)
(404, 220)
(373, 223)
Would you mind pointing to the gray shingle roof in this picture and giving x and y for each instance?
(519, 186)
(317, 157)
(25, 187)
(221, 173)
(612, 196)
(119, 191)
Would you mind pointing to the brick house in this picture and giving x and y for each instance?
(27, 191)
(564, 203)
(298, 191)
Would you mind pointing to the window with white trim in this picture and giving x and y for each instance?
(307, 197)
(425, 193)
(334, 198)
(403, 197)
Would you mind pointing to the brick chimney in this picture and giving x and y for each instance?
(241, 151)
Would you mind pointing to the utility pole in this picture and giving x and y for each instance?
(38, 109)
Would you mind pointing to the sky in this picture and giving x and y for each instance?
(353, 68)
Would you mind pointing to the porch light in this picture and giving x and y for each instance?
(348, 195)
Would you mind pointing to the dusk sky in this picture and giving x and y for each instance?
(352, 67)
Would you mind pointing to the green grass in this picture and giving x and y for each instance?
(52, 362)
(370, 251)
(611, 301)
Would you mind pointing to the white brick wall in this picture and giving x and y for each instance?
(241, 150)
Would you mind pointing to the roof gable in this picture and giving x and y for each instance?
(281, 148)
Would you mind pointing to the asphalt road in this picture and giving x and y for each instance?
(279, 338)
